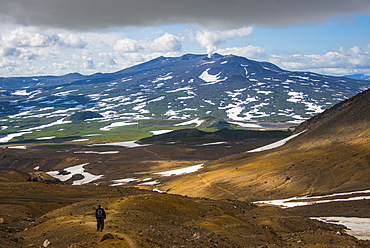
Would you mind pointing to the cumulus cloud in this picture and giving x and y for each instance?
(21, 37)
(29, 44)
(127, 45)
(339, 61)
(166, 43)
(212, 39)
(250, 52)
(95, 14)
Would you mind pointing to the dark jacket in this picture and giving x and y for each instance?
(100, 213)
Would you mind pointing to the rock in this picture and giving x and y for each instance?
(196, 236)
(39, 176)
(75, 177)
(107, 236)
(46, 243)
(2, 221)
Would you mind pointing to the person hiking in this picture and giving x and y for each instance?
(100, 216)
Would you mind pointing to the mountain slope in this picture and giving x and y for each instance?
(226, 87)
(137, 218)
(331, 156)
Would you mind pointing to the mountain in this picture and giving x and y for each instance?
(329, 155)
(226, 87)
(326, 161)
(358, 77)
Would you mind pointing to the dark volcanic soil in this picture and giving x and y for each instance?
(34, 216)
(128, 162)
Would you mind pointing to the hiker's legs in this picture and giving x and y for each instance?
(100, 224)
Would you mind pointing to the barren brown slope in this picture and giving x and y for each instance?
(333, 155)
(137, 218)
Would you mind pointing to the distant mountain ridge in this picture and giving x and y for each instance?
(226, 87)
(330, 155)
(359, 77)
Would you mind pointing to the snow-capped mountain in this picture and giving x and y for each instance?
(227, 87)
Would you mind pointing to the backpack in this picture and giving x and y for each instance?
(99, 213)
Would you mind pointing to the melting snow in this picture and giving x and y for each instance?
(242, 124)
(9, 137)
(266, 92)
(58, 122)
(165, 77)
(160, 132)
(155, 182)
(211, 79)
(17, 147)
(117, 124)
(214, 143)
(79, 140)
(357, 227)
(129, 144)
(182, 171)
(123, 181)
(45, 138)
(295, 96)
(179, 89)
(77, 169)
(275, 144)
(195, 121)
(93, 152)
(309, 200)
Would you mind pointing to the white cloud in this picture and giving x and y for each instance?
(23, 37)
(339, 61)
(30, 43)
(127, 45)
(166, 43)
(212, 39)
(250, 52)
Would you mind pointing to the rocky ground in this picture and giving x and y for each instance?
(46, 215)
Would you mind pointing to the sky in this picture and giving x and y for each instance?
(54, 37)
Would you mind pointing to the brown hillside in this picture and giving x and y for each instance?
(9, 175)
(333, 155)
(35, 217)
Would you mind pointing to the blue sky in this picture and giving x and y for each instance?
(51, 37)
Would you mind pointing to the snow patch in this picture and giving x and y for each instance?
(275, 144)
(214, 143)
(129, 144)
(182, 171)
(123, 181)
(117, 124)
(357, 227)
(211, 79)
(158, 132)
(77, 169)
(195, 121)
(9, 137)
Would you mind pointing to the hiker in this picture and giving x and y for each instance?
(100, 216)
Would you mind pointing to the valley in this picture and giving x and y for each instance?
(181, 154)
